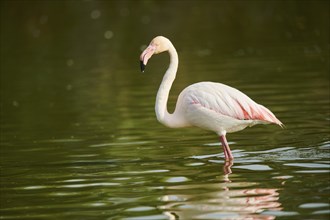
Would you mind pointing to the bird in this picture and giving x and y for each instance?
(208, 105)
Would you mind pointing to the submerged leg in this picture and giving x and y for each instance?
(226, 149)
(227, 169)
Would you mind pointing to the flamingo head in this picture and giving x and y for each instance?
(158, 45)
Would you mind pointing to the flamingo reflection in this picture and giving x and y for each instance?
(228, 200)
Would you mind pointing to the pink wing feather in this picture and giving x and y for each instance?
(229, 101)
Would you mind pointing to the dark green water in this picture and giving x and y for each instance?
(79, 137)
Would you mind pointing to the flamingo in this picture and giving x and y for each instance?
(208, 105)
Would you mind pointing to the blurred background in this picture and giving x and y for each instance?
(73, 57)
(79, 135)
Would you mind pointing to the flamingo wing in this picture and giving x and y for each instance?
(228, 101)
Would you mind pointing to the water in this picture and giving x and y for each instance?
(79, 138)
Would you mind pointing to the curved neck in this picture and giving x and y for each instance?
(163, 92)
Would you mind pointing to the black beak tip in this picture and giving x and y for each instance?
(142, 66)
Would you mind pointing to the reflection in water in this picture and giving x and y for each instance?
(227, 168)
(223, 200)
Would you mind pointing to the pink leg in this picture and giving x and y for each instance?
(227, 168)
(226, 149)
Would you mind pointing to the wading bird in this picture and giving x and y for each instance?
(208, 105)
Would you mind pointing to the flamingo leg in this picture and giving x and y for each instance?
(227, 169)
(226, 149)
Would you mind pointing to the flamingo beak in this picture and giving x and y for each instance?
(142, 66)
(145, 56)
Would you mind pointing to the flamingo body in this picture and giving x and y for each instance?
(220, 108)
(208, 105)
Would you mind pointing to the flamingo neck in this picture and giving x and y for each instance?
(163, 116)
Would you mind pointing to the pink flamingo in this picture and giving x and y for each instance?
(208, 105)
